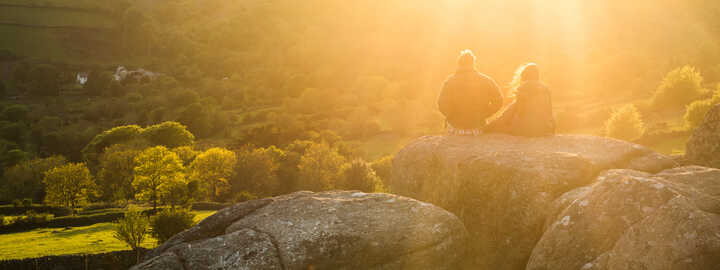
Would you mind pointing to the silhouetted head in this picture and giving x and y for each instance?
(526, 72)
(466, 60)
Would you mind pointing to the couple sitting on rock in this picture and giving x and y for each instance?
(469, 99)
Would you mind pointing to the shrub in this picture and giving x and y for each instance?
(132, 230)
(695, 113)
(679, 87)
(243, 196)
(27, 202)
(17, 203)
(383, 168)
(625, 124)
(170, 222)
(358, 175)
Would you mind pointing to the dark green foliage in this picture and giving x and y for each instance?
(116, 135)
(169, 134)
(45, 80)
(14, 157)
(243, 196)
(15, 113)
(27, 202)
(100, 83)
(358, 175)
(170, 222)
(383, 168)
(3, 90)
(14, 131)
(679, 87)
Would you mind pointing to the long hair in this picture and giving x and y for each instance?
(526, 72)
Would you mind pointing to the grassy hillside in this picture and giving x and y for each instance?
(97, 238)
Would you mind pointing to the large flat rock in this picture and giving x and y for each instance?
(635, 220)
(330, 230)
(504, 187)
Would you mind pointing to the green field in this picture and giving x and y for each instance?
(97, 238)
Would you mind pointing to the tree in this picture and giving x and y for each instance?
(169, 134)
(68, 185)
(170, 222)
(319, 167)
(358, 175)
(625, 124)
(116, 172)
(383, 168)
(3, 90)
(213, 169)
(46, 80)
(25, 180)
(157, 171)
(116, 135)
(695, 112)
(679, 87)
(257, 171)
(100, 83)
(16, 113)
(131, 230)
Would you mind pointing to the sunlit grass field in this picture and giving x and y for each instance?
(96, 238)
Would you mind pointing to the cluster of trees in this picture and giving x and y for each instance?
(681, 88)
(159, 165)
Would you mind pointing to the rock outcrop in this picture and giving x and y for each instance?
(331, 230)
(634, 220)
(503, 187)
(703, 148)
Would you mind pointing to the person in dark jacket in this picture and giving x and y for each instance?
(530, 114)
(468, 98)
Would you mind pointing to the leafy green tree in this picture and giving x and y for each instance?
(13, 157)
(319, 167)
(16, 113)
(257, 171)
(157, 171)
(116, 135)
(169, 134)
(68, 185)
(358, 175)
(679, 87)
(696, 111)
(100, 83)
(115, 174)
(14, 131)
(625, 123)
(132, 230)
(383, 169)
(170, 222)
(46, 80)
(25, 180)
(186, 153)
(213, 169)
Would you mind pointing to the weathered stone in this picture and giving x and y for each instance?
(331, 230)
(703, 148)
(503, 187)
(633, 220)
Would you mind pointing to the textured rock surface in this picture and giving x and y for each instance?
(635, 220)
(503, 187)
(331, 230)
(703, 148)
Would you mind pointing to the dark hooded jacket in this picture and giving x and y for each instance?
(468, 98)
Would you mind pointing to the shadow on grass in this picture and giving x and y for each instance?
(67, 233)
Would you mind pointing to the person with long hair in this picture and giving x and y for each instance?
(530, 114)
(468, 98)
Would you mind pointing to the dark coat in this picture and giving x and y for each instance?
(530, 115)
(468, 98)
